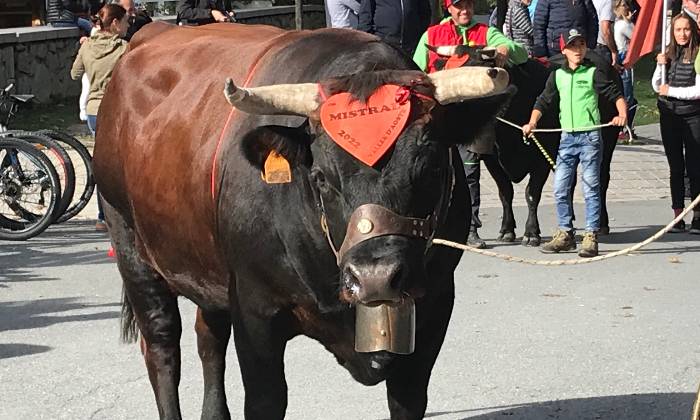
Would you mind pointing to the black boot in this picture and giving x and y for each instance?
(474, 241)
(678, 227)
(695, 226)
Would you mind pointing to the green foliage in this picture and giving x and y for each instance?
(647, 112)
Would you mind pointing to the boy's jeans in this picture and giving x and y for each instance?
(585, 147)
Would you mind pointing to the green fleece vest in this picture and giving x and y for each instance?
(578, 99)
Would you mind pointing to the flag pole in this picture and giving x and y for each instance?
(664, 37)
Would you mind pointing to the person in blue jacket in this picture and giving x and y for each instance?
(397, 22)
(555, 17)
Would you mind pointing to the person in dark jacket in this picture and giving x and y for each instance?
(202, 12)
(64, 14)
(137, 18)
(555, 17)
(397, 22)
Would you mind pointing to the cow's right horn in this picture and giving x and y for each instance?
(293, 99)
(455, 85)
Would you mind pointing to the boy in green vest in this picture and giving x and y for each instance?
(575, 88)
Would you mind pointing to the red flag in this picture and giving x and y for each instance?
(647, 31)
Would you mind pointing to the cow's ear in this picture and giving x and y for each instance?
(292, 143)
(464, 122)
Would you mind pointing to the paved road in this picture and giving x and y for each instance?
(612, 340)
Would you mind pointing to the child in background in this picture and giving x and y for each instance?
(623, 34)
(574, 88)
(518, 26)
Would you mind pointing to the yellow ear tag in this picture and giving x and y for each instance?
(471, 43)
(277, 170)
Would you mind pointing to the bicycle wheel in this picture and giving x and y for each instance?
(59, 158)
(29, 185)
(84, 179)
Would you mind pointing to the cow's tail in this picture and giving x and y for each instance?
(130, 331)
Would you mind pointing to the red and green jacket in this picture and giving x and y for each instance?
(448, 33)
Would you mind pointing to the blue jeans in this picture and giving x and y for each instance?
(84, 25)
(627, 77)
(585, 147)
(92, 124)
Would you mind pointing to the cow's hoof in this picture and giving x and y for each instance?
(533, 240)
(506, 237)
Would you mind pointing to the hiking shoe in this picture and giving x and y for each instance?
(678, 227)
(695, 226)
(474, 241)
(561, 241)
(589, 246)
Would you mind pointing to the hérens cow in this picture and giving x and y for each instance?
(275, 216)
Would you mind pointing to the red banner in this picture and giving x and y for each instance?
(647, 31)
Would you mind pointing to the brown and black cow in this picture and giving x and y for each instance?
(275, 216)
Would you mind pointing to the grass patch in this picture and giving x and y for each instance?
(60, 116)
(647, 112)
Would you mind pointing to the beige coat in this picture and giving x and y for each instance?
(97, 58)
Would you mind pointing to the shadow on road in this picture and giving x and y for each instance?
(61, 246)
(16, 350)
(39, 313)
(618, 407)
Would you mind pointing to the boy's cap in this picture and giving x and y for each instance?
(572, 36)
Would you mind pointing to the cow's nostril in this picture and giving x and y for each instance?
(352, 283)
(396, 282)
(492, 73)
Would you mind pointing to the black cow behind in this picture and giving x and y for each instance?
(515, 159)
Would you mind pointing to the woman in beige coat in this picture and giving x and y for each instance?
(98, 55)
(97, 58)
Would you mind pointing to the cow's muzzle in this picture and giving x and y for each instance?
(386, 326)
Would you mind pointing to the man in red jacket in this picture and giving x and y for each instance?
(461, 29)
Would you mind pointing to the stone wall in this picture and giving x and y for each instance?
(38, 59)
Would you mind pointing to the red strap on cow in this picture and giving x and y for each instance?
(251, 73)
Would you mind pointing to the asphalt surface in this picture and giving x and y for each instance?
(611, 340)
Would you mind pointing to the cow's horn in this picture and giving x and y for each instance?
(443, 50)
(455, 85)
(293, 99)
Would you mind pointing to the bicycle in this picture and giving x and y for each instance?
(67, 146)
(29, 190)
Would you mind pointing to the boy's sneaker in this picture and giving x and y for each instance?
(561, 241)
(678, 227)
(695, 226)
(589, 246)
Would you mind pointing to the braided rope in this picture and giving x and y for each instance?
(574, 261)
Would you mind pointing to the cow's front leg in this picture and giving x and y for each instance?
(213, 332)
(407, 384)
(260, 350)
(505, 194)
(533, 195)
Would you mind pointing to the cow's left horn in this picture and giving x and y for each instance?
(455, 85)
(293, 99)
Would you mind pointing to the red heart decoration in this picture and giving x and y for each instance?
(456, 61)
(366, 131)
